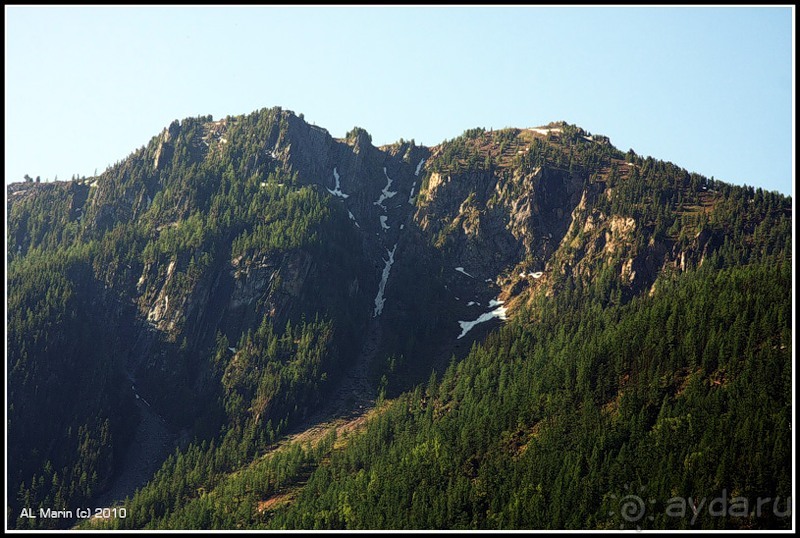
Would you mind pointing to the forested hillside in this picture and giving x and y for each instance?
(512, 329)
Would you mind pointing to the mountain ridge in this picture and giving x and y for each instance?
(244, 264)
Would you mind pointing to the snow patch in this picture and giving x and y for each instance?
(353, 218)
(411, 195)
(495, 302)
(379, 299)
(466, 326)
(384, 218)
(488, 280)
(461, 270)
(385, 193)
(537, 274)
(232, 349)
(402, 226)
(473, 303)
(547, 131)
(589, 138)
(419, 167)
(133, 388)
(337, 191)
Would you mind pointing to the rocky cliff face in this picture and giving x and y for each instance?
(485, 216)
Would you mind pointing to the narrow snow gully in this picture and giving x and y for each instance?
(419, 167)
(337, 191)
(411, 197)
(379, 299)
(385, 193)
(353, 218)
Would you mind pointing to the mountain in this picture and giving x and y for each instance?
(248, 323)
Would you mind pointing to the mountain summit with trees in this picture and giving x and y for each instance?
(250, 324)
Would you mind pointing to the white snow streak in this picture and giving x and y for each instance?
(466, 326)
(461, 270)
(232, 349)
(495, 302)
(411, 195)
(337, 191)
(471, 303)
(419, 167)
(139, 397)
(379, 300)
(537, 274)
(385, 193)
(384, 218)
(353, 218)
(547, 131)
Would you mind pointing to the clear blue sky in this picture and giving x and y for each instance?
(709, 89)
